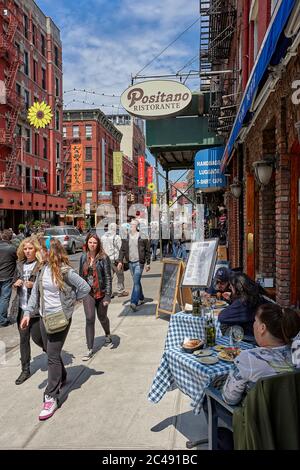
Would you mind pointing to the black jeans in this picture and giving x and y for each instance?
(32, 330)
(53, 345)
(91, 306)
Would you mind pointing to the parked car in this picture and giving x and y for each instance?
(69, 237)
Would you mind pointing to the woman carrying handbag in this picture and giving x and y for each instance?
(55, 292)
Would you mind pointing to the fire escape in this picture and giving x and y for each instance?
(217, 26)
(14, 103)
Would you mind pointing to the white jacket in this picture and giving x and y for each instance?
(111, 243)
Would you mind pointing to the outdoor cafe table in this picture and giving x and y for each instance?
(182, 370)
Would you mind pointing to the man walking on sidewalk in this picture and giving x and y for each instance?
(8, 259)
(135, 250)
(112, 243)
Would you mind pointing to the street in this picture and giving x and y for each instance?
(106, 405)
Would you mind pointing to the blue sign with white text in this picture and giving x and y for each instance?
(208, 169)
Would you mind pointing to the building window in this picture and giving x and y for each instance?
(45, 147)
(33, 34)
(44, 84)
(64, 132)
(57, 120)
(27, 99)
(26, 63)
(35, 70)
(25, 24)
(88, 132)
(89, 196)
(43, 45)
(28, 179)
(36, 143)
(58, 183)
(56, 86)
(18, 89)
(45, 176)
(56, 55)
(89, 175)
(88, 153)
(19, 130)
(75, 131)
(57, 152)
(28, 140)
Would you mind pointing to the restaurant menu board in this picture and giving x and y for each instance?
(169, 286)
(201, 263)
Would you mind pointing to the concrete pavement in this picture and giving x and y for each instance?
(106, 405)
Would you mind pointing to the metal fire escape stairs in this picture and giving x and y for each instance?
(217, 26)
(11, 54)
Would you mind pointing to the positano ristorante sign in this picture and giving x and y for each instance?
(156, 99)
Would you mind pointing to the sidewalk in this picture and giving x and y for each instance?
(106, 405)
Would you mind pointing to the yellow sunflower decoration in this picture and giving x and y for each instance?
(39, 115)
(151, 186)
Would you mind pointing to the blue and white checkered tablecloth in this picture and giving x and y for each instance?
(186, 325)
(184, 371)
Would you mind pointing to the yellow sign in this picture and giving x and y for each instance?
(77, 168)
(39, 115)
(151, 187)
(154, 198)
(117, 168)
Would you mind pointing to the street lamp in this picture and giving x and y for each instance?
(236, 188)
(263, 170)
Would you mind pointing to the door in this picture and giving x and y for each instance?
(295, 230)
(250, 226)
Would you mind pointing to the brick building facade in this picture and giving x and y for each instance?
(31, 178)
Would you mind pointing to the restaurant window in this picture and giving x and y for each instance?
(25, 24)
(44, 85)
(28, 140)
(43, 45)
(56, 55)
(64, 132)
(45, 147)
(57, 120)
(35, 70)
(33, 34)
(75, 131)
(27, 99)
(56, 86)
(36, 143)
(88, 132)
(89, 175)
(26, 63)
(88, 153)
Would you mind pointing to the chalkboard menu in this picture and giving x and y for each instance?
(169, 286)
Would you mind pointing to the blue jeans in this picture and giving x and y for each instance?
(136, 270)
(154, 244)
(5, 293)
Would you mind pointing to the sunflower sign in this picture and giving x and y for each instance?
(151, 187)
(39, 115)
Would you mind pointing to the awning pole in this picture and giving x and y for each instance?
(159, 202)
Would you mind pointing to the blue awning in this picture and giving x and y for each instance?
(264, 58)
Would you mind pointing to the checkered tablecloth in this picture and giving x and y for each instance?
(186, 325)
(184, 371)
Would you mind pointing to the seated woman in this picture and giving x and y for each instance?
(274, 330)
(246, 296)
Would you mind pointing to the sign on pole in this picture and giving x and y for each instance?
(117, 168)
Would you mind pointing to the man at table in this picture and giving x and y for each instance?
(220, 284)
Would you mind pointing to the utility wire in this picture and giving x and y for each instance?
(91, 92)
(171, 43)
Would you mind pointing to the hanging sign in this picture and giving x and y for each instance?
(77, 170)
(156, 98)
(141, 171)
(117, 168)
(208, 176)
(150, 174)
(147, 200)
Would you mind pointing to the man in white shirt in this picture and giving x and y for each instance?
(111, 243)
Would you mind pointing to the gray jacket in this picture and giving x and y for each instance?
(75, 288)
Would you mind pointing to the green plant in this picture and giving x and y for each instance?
(21, 227)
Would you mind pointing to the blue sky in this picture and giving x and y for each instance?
(105, 42)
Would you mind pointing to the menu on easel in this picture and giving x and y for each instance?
(169, 287)
(200, 265)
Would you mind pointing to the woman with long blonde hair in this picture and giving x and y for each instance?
(28, 264)
(56, 290)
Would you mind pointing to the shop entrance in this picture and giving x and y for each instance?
(295, 229)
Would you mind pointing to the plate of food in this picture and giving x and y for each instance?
(221, 304)
(229, 354)
(190, 345)
(209, 360)
(219, 347)
(203, 352)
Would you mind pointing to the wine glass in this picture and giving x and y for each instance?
(237, 333)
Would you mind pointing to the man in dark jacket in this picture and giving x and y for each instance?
(135, 250)
(8, 259)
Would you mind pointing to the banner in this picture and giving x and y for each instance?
(141, 171)
(150, 174)
(77, 168)
(147, 200)
(154, 198)
(117, 168)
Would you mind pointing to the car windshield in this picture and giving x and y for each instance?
(54, 232)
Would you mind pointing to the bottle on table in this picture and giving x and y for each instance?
(197, 304)
(210, 332)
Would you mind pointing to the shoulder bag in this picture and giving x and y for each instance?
(55, 322)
